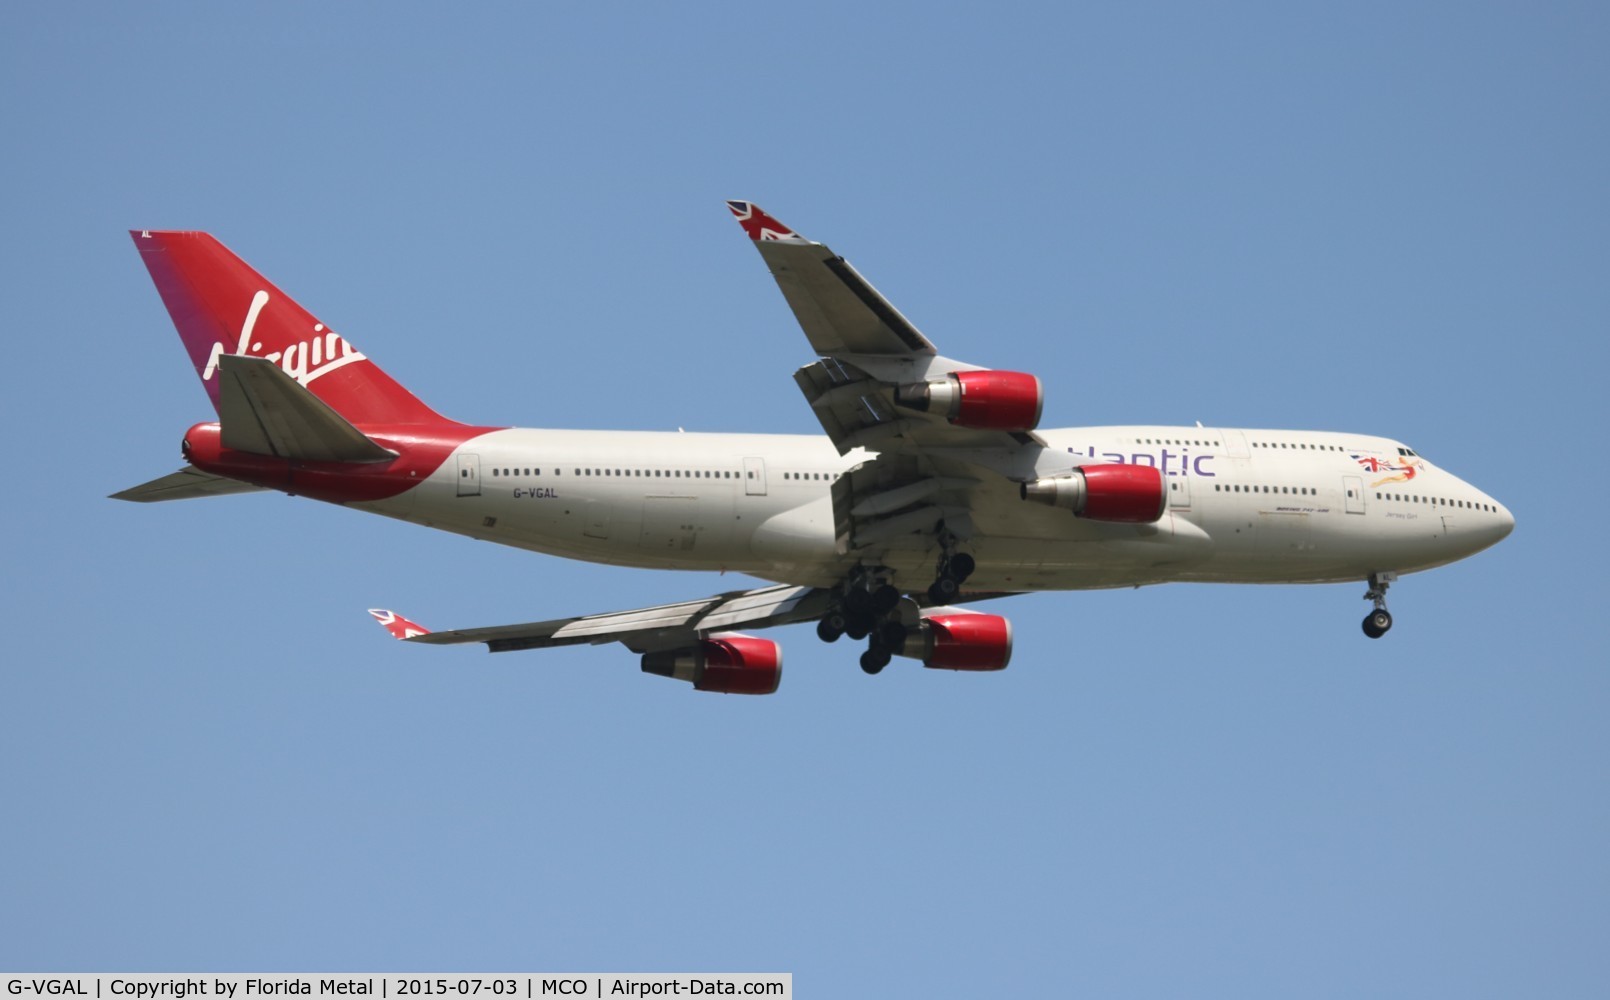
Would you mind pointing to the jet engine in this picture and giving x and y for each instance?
(960, 642)
(985, 400)
(729, 663)
(1128, 494)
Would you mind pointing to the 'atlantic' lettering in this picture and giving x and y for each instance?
(1182, 462)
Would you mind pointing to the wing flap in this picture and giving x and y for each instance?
(264, 411)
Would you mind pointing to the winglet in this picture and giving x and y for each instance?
(397, 625)
(761, 227)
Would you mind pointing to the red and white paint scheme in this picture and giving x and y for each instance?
(933, 486)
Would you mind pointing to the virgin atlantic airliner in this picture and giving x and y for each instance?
(932, 487)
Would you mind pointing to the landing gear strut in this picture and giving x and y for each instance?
(1378, 622)
(954, 569)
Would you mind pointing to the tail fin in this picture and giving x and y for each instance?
(221, 306)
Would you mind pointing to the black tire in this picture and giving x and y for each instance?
(884, 599)
(858, 601)
(944, 590)
(961, 567)
(858, 627)
(1377, 624)
(874, 660)
(830, 628)
(891, 635)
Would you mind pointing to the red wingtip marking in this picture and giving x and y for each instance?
(397, 625)
(758, 224)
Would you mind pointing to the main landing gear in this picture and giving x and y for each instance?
(871, 608)
(867, 609)
(1378, 622)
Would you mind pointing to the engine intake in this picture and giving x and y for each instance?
(1127, 494)
(984, 400)
(961, 642)
(729, 664)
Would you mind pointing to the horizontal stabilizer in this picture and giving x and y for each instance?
(186, 484)
(264, 411)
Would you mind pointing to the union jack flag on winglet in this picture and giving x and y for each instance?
(397, 625)
(761, 227)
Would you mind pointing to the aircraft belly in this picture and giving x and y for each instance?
(1088, 554)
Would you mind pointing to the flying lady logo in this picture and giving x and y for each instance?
(321, 353)
(1402, 471)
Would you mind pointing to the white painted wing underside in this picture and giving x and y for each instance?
(663, 627)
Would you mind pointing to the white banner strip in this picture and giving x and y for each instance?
(391, 986)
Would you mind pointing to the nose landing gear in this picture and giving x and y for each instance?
(1378, 622)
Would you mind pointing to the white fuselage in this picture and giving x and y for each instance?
(1247, 506)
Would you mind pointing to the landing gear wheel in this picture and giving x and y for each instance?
(884, 598)
(891, 635)
(944, 590)
(858, 601)
(1378, 622)
(830, 627)
(875, 659)
(961, 567)
(858, 627)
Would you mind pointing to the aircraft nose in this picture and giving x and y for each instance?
(1506, 522)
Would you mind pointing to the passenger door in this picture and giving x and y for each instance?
(1353, 494)
(469, 475)
(755, 477)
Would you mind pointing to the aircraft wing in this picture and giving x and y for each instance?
(870, 390)
(840, 310)
(668, 626)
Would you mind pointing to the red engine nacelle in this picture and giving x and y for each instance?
(985, 400)
(1128, 494)
(730, 664)
(961, 642)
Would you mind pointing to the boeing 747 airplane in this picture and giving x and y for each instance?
(932, 487)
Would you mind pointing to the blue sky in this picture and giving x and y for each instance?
(1364, 216)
